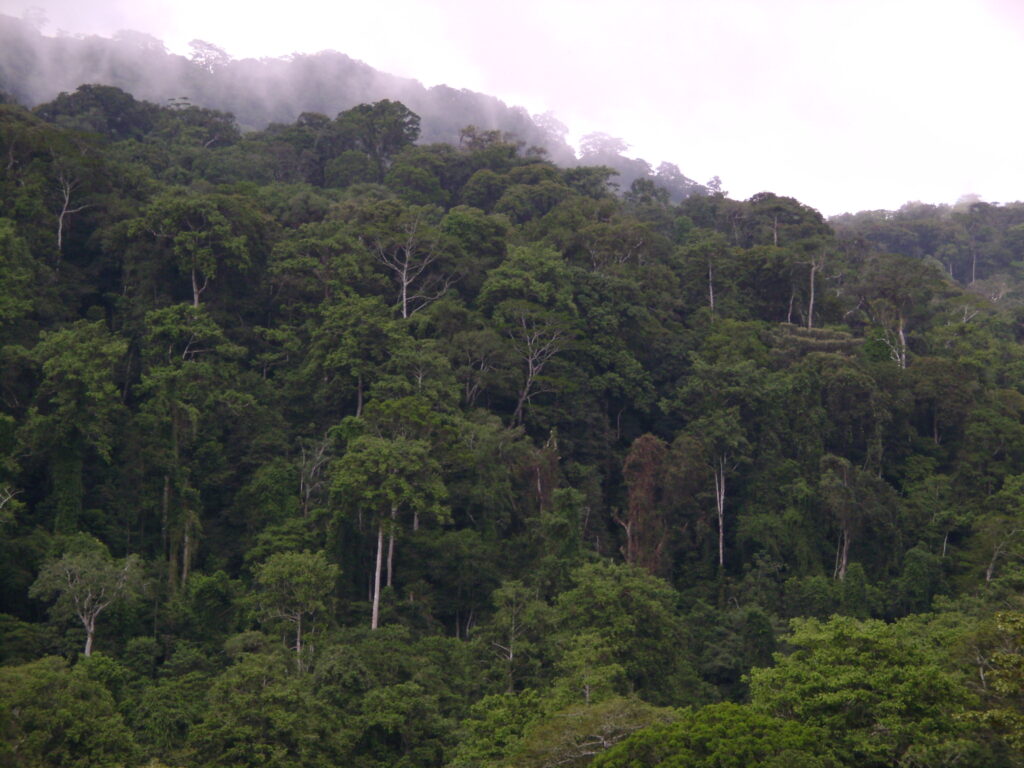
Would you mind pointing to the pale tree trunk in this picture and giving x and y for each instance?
(711, 289)
(67, 189)
(375, 615)
(815, 266)
(720, 507)
(903, 343)
(842, 555)
(90, 634)
(539, 344)
(198, 289)
(998, 550)
(404, 277)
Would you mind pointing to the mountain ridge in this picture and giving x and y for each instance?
(35, 69)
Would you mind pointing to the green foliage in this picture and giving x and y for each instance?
(723, 736)
(293, 587)
(631, 619)
(53, 715)
(576, 450)
(85, 581)
(880, 691)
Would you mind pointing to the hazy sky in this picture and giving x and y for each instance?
(844, 104)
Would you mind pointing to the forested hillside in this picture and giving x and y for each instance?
(320, 446)
(35, 68)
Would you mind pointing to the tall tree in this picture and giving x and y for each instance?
(384, 479)
(85, 581)
(293, 587)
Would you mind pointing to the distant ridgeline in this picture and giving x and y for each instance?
(34, 69)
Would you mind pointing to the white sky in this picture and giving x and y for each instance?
(843, 104)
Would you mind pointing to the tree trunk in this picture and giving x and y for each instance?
(810, 300)
(903, 343)
(90, 635)
(711, 289)
(720, 508)
(375, 615)
(391, 548)
(844, 555)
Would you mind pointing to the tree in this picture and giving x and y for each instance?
(633, 615)
(293, 586)
(189, 380)
(725, 444)
(383, 478)
(53, 716)
(722, 735)
(878, 690)
(86, 581)
(75, 409)
(576, 735)
(208, 56)
(645, 528)
(515, 630)
(381, 130)
(259, 716)
(530, 298)
(17, 275)
(892, 291)
(406, 241)
(202, 232)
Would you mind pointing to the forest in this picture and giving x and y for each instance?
(322, 444)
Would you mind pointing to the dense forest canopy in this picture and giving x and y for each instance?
(331, 444)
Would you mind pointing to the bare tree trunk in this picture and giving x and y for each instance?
(810, 301)
(375, 614)
(844, 557)
(67, 188)
(720, 508)
(711, 288)
(404, 279)
(90, 634)
(903, 343)
(990, 572)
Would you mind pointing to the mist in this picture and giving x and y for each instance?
(846, 105)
